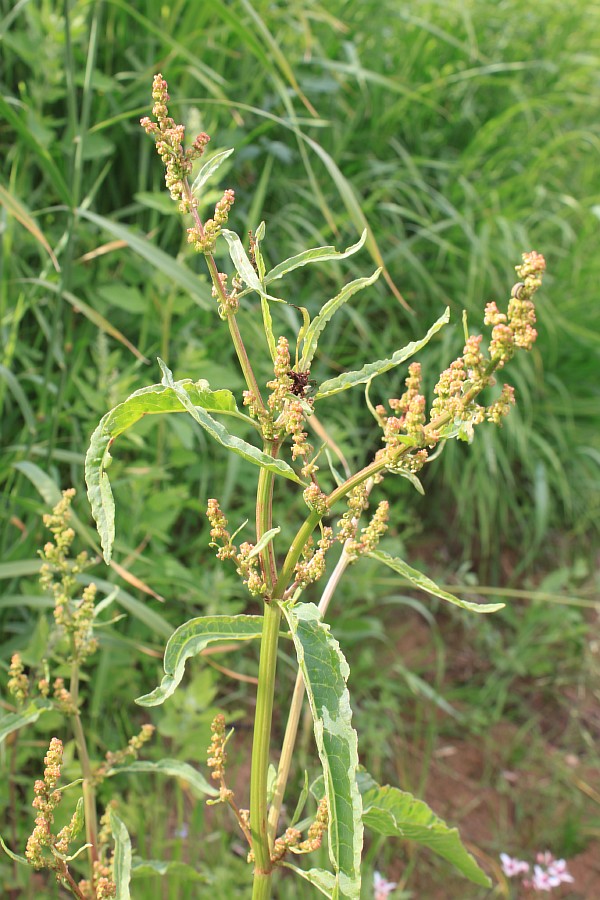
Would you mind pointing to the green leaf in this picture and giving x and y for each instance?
(317, 254)
(20, 396)
(175, 869)
(268, 326)
(172, 767)
(121, 857)
(395, 813)
(317, 325)
(31, 713)
(265, 539)
(325, 673)
(190, 639)
(209, 168)
(156, 398)
(423, 583)
(239, 258)
(220, 434)
(13, 856)
(78, 818)
(175, 271)
(321, 879)
(361, 376)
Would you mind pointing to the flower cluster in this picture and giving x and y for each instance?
(371, 534)
(292, 841)
(168, 138)
(547, 872)
(246, 560)
(515, 329)
(116, 757)
(18, 682)
(217, 755)
(204, 237)
(58, 575)
(312, 566)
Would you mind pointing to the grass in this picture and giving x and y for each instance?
(462, 134)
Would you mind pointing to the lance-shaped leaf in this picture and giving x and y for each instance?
(148, 401)
(222, 436)
(14, 856)
(323, 880)
(325, 672)
(209, 168)
(26, 716)
(190, 639)
(395, 813)
(361, 376)
(172, 767)
(317, 325)
(121, 856)
(423, 583)
(239, 258)
(172, 869)
(317, 254)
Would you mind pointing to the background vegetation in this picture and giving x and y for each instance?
(463, 133)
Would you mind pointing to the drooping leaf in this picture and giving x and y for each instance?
(361, 376)
(395, 813)
(172, 767)
(209, 168)
(323, 880)
(325, 672)
(14, 856)
(173, 869)
(121, 857)
(423, 583)
(175, 271)
(190, 639)
(20, 396)
(156, 398)
(13, 721)
(317, 325)
(222, 436)
(317, 254)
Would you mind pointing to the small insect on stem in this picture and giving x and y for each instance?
(302, 383)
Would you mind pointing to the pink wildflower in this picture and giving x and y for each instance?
(382, 887)
(511, 866)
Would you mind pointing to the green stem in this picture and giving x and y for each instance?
(264, 517)
(89, 791)
(260, 750)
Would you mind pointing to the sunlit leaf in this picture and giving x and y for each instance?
(122, 856)
(395, 813)
(317, 254)
(172, 869)
(323, 880)
(423, 583)
(209, 168)
(13, 721)
(190, 639)
(156, 398)
(319, 322)
(171, 767)
(361, 376)
(325, 672)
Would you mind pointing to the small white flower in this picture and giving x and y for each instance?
(511, 866)
(558, 870)
(382, 887)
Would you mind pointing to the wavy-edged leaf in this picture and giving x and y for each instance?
(325, 672)
(423, 583)
(26, 716)
(395, 813)
(209, 168)
(14, 856)
(171, 767)
(323, 880)
(317, 254)
(239, 258)
(157, 398)
(121, 856)
(370, 370)
(190, 639)
(174, 869)
(319, 322)
(175, 271)
(220, 434)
